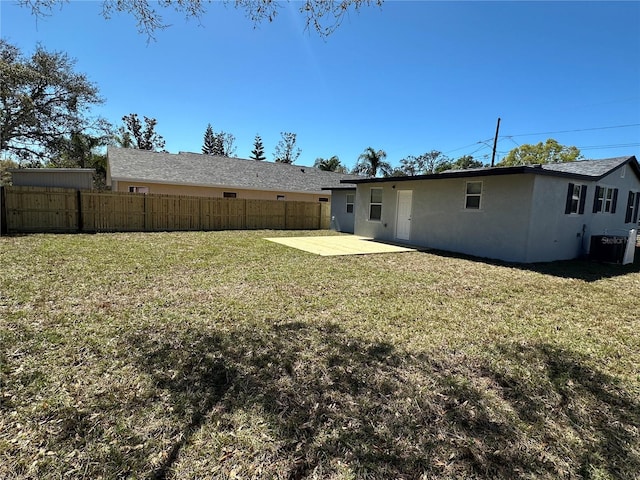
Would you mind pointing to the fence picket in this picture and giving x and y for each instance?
(33, 209)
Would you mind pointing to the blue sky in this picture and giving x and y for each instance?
(408, 78)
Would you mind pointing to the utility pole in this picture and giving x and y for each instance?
(495, 143)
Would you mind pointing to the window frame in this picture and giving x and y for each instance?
(350, 203)
(578, 200)
(468, 195)
(605, 199)
(372, 204)
(138, 189)
(633, 205)
(229, 195)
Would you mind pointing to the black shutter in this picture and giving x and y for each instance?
(567, 208)
(627, 217)
(583, 198)
(614, 200)
(635, 210)
(595, 199)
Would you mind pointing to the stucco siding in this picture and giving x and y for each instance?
(168, 189)
(556, 235)
(341, 220)
(527, 214)
(439, 219)
(625, 180)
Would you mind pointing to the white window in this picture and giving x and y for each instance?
(280, 197)
(138, 189)
(633, 207)
(576, 196)
(351, 198)
(605, 200)
(473, 195)
(375, 204)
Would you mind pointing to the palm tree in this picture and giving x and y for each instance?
(371, 162)
(329, 164)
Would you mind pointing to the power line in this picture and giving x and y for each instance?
(510, 137)
(576, 130)
(467, 146)
(602, 147)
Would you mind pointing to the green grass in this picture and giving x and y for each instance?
(222, 355)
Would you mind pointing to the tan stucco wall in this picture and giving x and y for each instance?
(165, 189)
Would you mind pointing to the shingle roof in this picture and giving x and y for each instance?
(585, 169)
(212, 171)
(591, 168)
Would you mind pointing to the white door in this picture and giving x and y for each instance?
(403, 215)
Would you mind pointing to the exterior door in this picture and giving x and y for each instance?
(403, 215)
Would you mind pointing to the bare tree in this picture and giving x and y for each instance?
(323, 16)
(145, 138)
(286, 150)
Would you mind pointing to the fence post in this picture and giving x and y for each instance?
(286, 216)
(79, 207)
(3, 215)
(244, 214)
(147, 223)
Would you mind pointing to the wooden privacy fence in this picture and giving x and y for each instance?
(42, 210)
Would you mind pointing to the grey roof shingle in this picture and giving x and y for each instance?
(212, 171)
(591, 168)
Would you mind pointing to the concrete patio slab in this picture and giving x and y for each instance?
(339, 245)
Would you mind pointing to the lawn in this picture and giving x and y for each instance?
(222, 355)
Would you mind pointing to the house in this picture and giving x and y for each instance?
(142, 171)
(534, 213)
(343, 208)
(76, 178)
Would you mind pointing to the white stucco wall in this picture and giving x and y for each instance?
(625, 180)
(341, 220)
(522, 217)
(559, 236)
(555, 235)
(439, 220)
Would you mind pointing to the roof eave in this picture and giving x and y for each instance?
(517, 170)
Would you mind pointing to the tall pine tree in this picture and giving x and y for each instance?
(218, 145)
(209, 146)
(258, 150)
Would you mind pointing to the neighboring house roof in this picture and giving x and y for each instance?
(194, 169)
(581, 169)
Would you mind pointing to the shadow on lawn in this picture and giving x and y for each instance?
(533, 410)
(586, 270)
